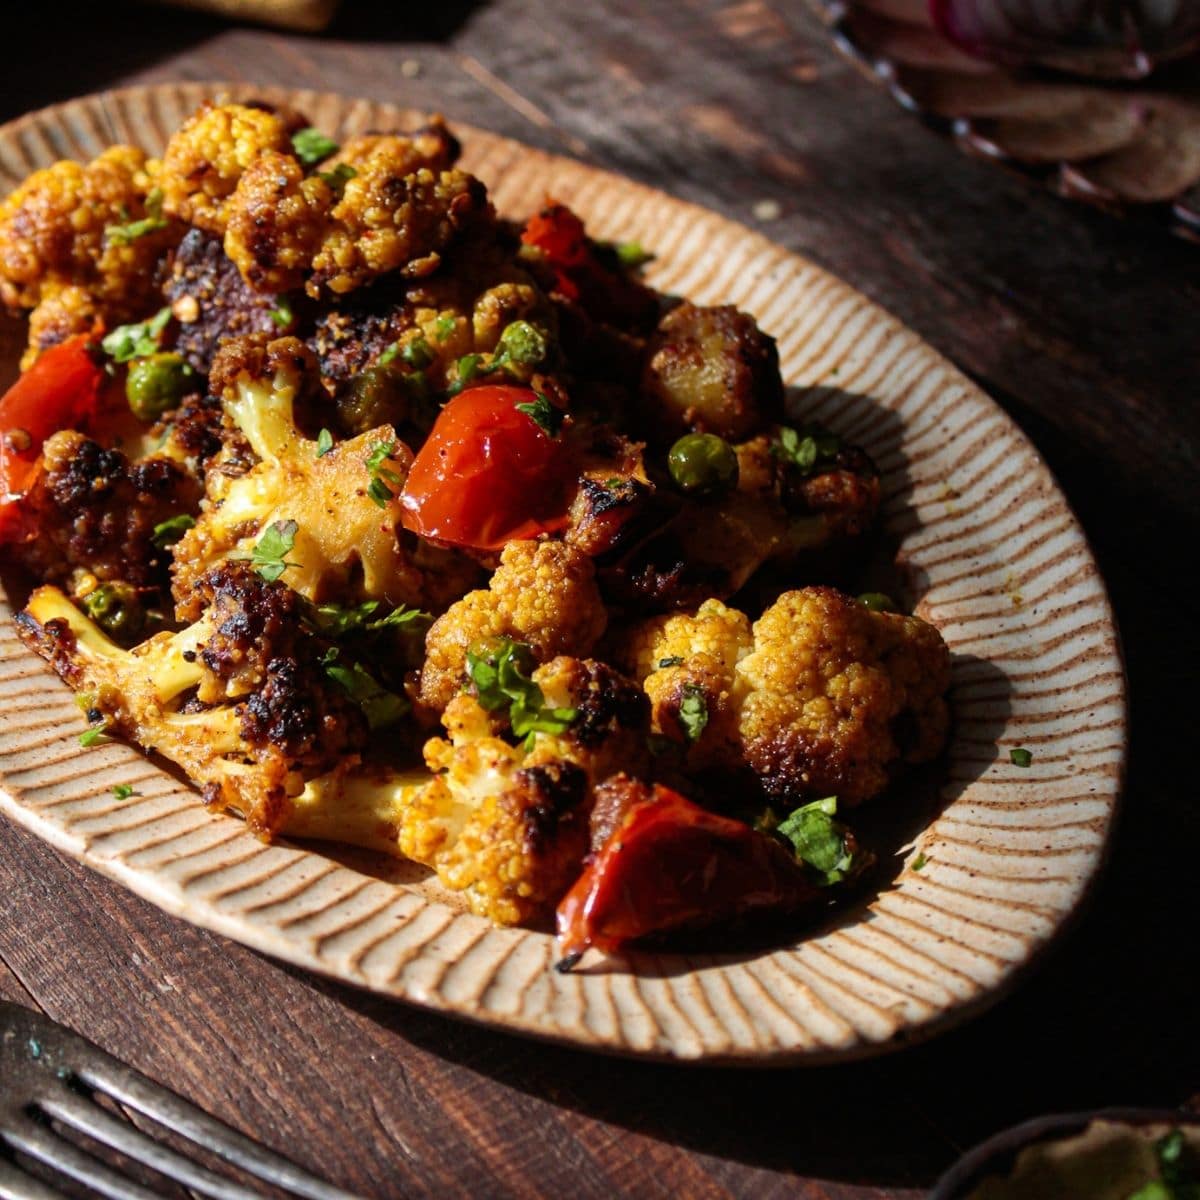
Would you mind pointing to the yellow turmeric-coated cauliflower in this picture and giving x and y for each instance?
(543, 594)
(207, 155)
(509, 825)
(688, 664)
(275, 221)
(839, 695)
(80, 241)
(390, 221)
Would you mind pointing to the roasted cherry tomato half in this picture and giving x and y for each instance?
(488, 473)
(668, 864)
(60, 391)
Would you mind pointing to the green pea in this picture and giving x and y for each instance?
(522, 343)
(155, 384)
(702, 463)
(377, 397)
(116, 607)
(878, 602)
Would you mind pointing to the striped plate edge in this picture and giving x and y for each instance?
(1036, 664)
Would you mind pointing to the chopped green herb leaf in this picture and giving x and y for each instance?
(324, 443)
(337, 621)
(675, 660)
(152, 222)
(919, 862)
(384, 480)
(542, 413)
(389, 355)
(378, 705)
(90, 736)
(632, 255)
(465, 371)
(311, 146)
(167, 533)
(338, 177)
(806, 449)
(443, 327)
(693, 711)
(417, 354)
(878, 602)
(282, 313)
(1154, 1190)
(269, 557)
(123, 791)
(818, 839)
(1020, 757)
(136, 341)
(501, 675)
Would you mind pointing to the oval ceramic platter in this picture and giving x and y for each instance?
(975, 888)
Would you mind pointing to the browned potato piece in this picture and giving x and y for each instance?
(712, 370)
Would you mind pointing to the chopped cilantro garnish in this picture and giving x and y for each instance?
(465, 371)
(383, 479)
(378, 705)
(324, 443)
(269, 557)
(501, 675)
(675, 660)
(136, 341)
(338, 177)
(311, 146)
(818, 839)
(416, 353)
(93, 734)
(152, 222)
(282, 313)
(389, 355)
(632, 255)
(1020, 757)
(542, 413)
(805, 449)
(167, 533)
(878, 602)
(338, 621)
(443, 327)
(693, 711)
(919, 862)
(123, 791)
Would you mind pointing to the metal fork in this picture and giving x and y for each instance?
(49, 1074)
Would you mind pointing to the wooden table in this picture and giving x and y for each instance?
(1083, 327)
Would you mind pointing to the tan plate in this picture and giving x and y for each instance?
(998, 561)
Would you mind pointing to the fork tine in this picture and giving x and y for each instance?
(127, 1086)
(16, 1185)
(41, 1142)
(89, 1118)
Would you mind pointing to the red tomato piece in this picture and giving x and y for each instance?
(60, 391)
(668, 864)
(488, 473)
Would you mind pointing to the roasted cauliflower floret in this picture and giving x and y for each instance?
(711, 370)
(543, 594)
(207, 156)
(243, 699)
(387, 221)
(80, 242)
(95, 516)
(688, 665)
(339, 506)
(840, 695)
(509, 825)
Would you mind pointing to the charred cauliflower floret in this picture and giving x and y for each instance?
(243, 699)
(711, 370)
(207, 155)
(840, 695)
(543, 594)
(509, 825)
(78, 242)
(339, 506)
(211, 302)
(688, 665)
(95, 516)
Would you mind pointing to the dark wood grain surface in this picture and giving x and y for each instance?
(1082, 326)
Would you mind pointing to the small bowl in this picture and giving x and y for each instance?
(1097, 1132)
